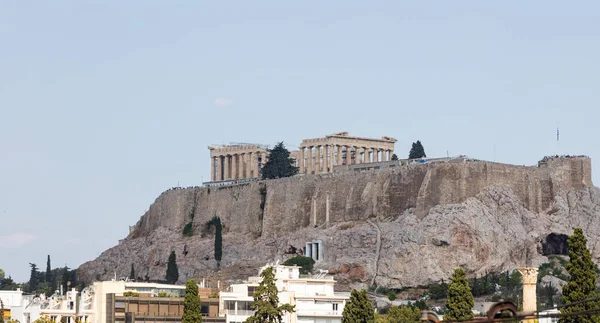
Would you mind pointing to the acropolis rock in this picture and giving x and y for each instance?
(403, 226)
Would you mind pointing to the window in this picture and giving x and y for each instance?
(335, 306)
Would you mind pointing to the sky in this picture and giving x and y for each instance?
(106, 104)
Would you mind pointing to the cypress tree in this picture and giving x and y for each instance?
(132, 272)
(172, 275)
(191, 303)
(34, 282)
(358, 309)
(394, 157)
(582, 284)
(266, 301)
(280, 164)
(417, 150)
(460, 300)
(48, 271)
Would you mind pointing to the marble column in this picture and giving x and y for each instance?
(348, 155)
(309, 161)
(240, 166)
(317, 168)
(234, 166)
(301, 161)
(370, 155)
(529, 286)
(212, 169)
(219, 168)
(226, 167)
(247, 165)
(330, 147)
(339, 155)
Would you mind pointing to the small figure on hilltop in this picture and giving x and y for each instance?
(417, 151)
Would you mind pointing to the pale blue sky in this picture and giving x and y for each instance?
(105, 105)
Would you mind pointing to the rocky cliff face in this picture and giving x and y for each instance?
(401, 227)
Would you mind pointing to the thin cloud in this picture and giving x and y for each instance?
(15, 240)
(223, 102)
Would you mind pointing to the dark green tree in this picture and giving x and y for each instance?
(403, 314)
(216, 222)
(172, 275)
(34, 282)
(359, 309)
(266, 301)
(132, 272)
(548, 292)
(280, 164)
(417, 150)
(438, 291)
(191, 303)
(8, 284)
(48, 271)
(582, 284)
(394, 157)
(306, 263)
(460, 300)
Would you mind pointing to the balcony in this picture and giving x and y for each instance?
(319, 313)
(239, 312)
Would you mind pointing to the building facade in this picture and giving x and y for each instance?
(236, 161)
(313, 295)
(320, 155)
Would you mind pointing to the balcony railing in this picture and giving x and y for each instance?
(239, 312)
(308, 312)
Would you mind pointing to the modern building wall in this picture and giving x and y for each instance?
(313, 295)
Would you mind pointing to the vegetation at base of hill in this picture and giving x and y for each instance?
(266, 302)
(279, 164)
(402, 314)
(306, 263)
(172, 275)
(582, 284)
(505, 285)
(460, 299)
(191, 303)
(417, 150)
(46, 282)
(358, 308)
(216, 223)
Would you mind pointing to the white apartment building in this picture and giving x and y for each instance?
(27, 308)
(313, 295)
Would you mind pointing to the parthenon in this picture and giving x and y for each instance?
(317, 155)
(236, 161)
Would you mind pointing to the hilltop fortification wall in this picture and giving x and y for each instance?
(323, 200)
(375, 227)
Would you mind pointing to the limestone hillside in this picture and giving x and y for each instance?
(406, 226)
